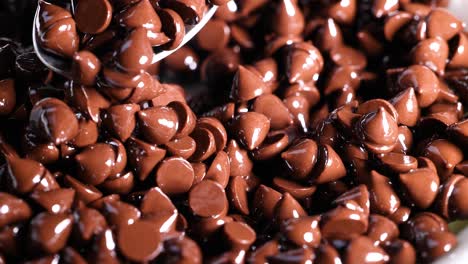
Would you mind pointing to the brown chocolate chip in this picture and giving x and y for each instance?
(400, 251)
(173, 27)
(83, 192)
(50, 232)
(251, 128)
(240, 236)
(120, 214)
(174, 176)
(360, 248)
(60, 38)
(95, 163)
(436, 244)
(183, 147)
(301, 158)
(219, 170)
(237, 194)
(139, 241)
(206, 144)
(53, 120)
(421, 186)
(136, 53)
(24, 174)
(241, 165)
(445, 156)
(381, 230)
(303, 231)
(265, 201)
(143, 156)
(383, 198)
(441, 23)
(140, 14)
(13, 209)
(120, 119)
(186, 118)
(208, 199)
(96, 22)
(216, 128)
(287, 208)
(55, 201)
(247, 85)
(158, 124)
(399, 162)
(432, 53)
(214, 36)
(344, 222)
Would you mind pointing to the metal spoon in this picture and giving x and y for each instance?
(63, 66)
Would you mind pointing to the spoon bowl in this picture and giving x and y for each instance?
(62, 66)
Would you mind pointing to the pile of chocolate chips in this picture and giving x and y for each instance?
(307, 131)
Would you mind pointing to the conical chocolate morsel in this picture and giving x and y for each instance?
(120, 120)
(13, 210)
(95, 163)
(183, 147)
(436, 244)
(54, 121)
(304, 62)
(120, 214)
(288, 208)
(344, 222)
(273, 108)
(96, 23)
(136, 53)
(344, 56)
(327, 254)
(394, 23)
(215, 126)
(301, 158)
(237, 194)
(441, 23)
(89, 222)
(399, 163)
(251, 129)
(358, 194)
(8, 95)
(141, 14)
(87, 133)
(50, 13)
(460, 56)
(186, 118)
(406, 104)
(383, 199)
(265, 201)
(103, 249)
(55, 201)
(240, 162)
(155, 201)
(457, 205)
(239, 236)
(174, 176)
(85, 193)
(139, 241)
(361, 249)
(24, 174)
(87, 100)
(421, 186)
(400, 251)
(382, 229)
(208, 199)
(215, 35)
(288, 18)
(205, 144)
(85, 67)
(422, 224)
(143, 156)
(424, 82)
(50, 232)
(378, 130)
(432, 53)
(61, 38)
(158, 124)
(445, 155)
(174, 27)
(304, 231)
(220, 169)
(247, 85)
(270, 248)
(329, 166)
